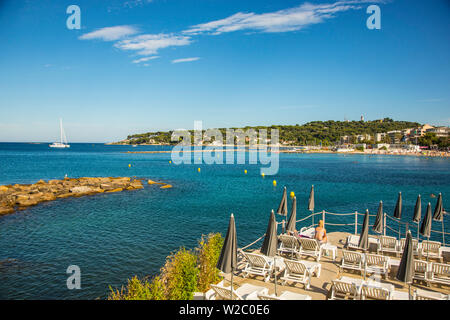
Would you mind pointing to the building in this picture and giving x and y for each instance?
(379, 136)
(441, 132)
(396, 136)
(362, 118)
(420, 131)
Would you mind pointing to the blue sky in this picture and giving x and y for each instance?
(137, 65)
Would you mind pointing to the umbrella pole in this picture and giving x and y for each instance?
(275, 274)
(231, 284)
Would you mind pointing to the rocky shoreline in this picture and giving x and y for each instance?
(20, 196)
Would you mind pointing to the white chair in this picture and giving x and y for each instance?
(377, 264)
(374, 292)
(299, 271)
(420, 294)
(415, 245)
(431, 249)
(285, 295)
(259, 265)
(310, 247)
(352, 242)
(389, 245)
(351, 260)
(440, 273)
(245, 292)
(288, 244)
(341, 290)
(421, 269)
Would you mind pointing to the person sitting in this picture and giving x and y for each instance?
(321, 233)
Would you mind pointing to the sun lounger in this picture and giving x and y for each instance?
(285, 295)
(299, 271)
(389, 245)
(259, 265)
(374, 292)
(420, 294)
(245, 292)
(431, 249)
(421, 269)
(415, 244)
(311, 248)
(440, 273)
(351, 260)
(377, 264)
(341, 290)
(288, 244)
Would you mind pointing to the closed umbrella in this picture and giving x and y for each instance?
(291, 223)
(438, 215)
(269, 246)
(405, 271)
(311, 203)
(228, 255)
(364, 238)
(425, 228)
(378, 225)
(282, 208)
(418, 213)
(398, 207)
(398, 212)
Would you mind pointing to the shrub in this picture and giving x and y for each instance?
(179, 275)
(208, 255)
(135, 290)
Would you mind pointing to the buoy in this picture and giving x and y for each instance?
(262, 174)
(170, 161)
(245, 171)
(274, 183)
(129, 165)
(198, 169)
(292, 194)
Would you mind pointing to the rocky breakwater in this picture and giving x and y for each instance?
(20, 196)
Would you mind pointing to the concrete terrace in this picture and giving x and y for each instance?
(320, 287)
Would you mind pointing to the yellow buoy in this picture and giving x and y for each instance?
(129, 165)
(170, 161)
(198, 169)
(274, 183)
(292, 194)
(262, 174)
(245, 171)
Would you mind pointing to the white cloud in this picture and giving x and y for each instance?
(185, 60)
(145, 59)
(280, 21)
(110, 33)
(147, 44)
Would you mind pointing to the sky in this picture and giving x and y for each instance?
(146, 65)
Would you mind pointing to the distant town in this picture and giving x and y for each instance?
(375, 136)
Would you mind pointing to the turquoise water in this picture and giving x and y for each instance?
(112, 237)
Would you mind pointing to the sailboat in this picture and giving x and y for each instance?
(63, 139)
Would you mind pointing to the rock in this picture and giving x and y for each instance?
(4, 189)
(82, 189)
(6, 210)
(64, 195)
(136, 184)
(115, 190)
(106, 187)
(41, 182)
(167, 186)
(154, 182)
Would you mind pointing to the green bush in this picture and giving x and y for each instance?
(208, 255)
(180, 274)
(183, 273)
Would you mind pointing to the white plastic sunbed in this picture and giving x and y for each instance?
(285, 295)
(258, 264)
(245, 292)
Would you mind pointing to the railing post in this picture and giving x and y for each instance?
(323, 217)
(356, 223)
(282, 226)
(384, 224)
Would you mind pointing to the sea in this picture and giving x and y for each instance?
(112, 237)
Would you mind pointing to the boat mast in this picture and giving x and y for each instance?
(61, 130)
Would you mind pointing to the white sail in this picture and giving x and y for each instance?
(63, 140)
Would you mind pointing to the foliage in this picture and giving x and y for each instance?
(312, 133)
(180, 274)
(430, 139)
(208, 255)
(183, 273)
